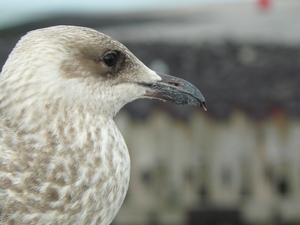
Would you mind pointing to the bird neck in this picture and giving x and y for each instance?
(60, 124)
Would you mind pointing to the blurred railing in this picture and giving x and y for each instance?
(245, 167)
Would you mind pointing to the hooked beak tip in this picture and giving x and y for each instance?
(203, 105)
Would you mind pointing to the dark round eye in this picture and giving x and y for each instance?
(110, 59)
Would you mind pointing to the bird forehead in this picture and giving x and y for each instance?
(75, 38)
(92, 38)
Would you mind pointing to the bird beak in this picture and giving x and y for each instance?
(175, 90)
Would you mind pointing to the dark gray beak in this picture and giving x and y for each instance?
(175, 90)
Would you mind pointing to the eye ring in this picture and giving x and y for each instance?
(110, 59)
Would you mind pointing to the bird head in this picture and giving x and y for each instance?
(83, 68)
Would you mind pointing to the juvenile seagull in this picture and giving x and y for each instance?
(62, 158)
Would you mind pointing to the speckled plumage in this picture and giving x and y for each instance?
(62, 158)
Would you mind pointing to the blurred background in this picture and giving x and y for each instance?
(237, 163)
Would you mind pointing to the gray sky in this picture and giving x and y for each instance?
(15, 11)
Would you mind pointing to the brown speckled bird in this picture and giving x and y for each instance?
(62, 158)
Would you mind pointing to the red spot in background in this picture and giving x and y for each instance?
(264, 4)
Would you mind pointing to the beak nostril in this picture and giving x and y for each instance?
(174, 84)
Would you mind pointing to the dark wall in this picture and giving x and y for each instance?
(255, 78)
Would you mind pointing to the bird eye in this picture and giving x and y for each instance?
(110, 59)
